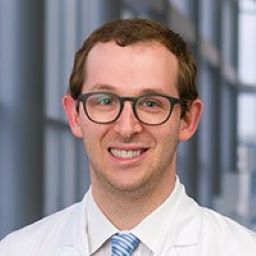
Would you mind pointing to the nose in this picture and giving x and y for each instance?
(127, 124)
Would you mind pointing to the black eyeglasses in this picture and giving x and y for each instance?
(150, 109)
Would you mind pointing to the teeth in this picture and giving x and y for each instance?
(127, 154)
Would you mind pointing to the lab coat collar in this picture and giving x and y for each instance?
(74, 240)
(177, 222)
(188, 221)
(184, 226)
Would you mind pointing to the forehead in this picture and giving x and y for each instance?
(108, 49)
(135, 66)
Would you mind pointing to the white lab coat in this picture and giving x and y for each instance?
(195, 231)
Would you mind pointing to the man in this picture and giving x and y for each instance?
(132, 99)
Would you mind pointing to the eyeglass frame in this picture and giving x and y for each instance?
(122, 99)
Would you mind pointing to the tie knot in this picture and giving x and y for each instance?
(124, 244)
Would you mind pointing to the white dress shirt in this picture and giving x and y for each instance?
(152, 231)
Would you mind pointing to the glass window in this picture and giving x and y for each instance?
(247, 118)
(247, 42)
(247, 154)
(208, 135)
(208, 24)
(229, 32)
(185, 7)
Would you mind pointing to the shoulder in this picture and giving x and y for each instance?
(227, 233)
(219, 222)
(31, 236)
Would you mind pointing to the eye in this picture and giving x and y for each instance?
(101, 99)
(151, 103)
(104, 100)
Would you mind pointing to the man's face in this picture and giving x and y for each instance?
(127, 155)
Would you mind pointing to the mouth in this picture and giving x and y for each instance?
(126, 154)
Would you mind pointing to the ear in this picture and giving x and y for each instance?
(190, 121)
(69, 105)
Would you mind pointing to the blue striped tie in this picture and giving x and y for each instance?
(124, 244)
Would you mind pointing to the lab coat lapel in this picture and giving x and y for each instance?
(74, 240)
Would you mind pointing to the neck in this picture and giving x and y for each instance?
(134, 205)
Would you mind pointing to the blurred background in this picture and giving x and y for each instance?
(44, 169)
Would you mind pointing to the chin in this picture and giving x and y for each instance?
(125, 187)
(135, 186)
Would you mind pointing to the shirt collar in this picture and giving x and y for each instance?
(177, 220)
(154, 228)
(99, 228)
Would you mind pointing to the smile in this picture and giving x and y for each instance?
(126, 154)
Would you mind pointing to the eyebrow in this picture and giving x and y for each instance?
(152, 91)
(104, 87)
(110, 88)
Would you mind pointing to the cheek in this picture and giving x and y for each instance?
(167, 140)
(167, 144)
(93, 135)
(168, 133)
